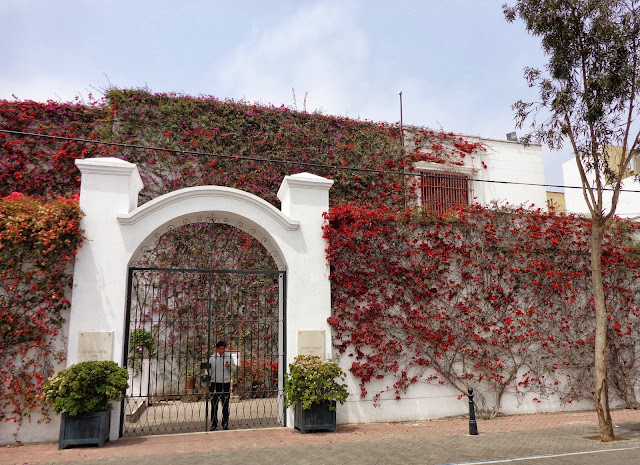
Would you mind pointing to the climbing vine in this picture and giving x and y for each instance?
(497, 299)
(38, 242)
(212, 126)
(45, 167)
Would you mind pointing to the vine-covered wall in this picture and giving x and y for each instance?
(495, 298)
(211, 126)
(38, 242)
(43, 169)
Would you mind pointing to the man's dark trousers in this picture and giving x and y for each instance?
(220, 392)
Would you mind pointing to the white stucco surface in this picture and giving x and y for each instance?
(430, 401)
(508, 163)
(628, 202)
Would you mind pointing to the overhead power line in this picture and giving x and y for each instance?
(281, 162)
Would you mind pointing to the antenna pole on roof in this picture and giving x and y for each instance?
(402, 155)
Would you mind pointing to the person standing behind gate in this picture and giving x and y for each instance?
(220, 388)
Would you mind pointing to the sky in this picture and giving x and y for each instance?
(458, 63)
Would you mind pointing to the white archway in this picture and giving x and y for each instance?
(147, 223)
(117, 230)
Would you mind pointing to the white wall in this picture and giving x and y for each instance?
(30, 430)
(432, 401)
(511, 162)
(628, 202)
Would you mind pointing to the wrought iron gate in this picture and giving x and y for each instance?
(175, 317)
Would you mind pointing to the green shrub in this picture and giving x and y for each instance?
(141, 343)
(312, 381)
(86, 387)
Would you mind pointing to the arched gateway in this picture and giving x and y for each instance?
(107, 306)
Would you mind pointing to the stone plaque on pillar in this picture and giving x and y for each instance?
(95, 345)
(311, 342)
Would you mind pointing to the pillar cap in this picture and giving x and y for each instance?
(304, 181)
(107, 165)
(111, 167)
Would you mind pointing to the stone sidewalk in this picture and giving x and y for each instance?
(424, 442)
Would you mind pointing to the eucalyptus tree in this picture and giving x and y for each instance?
(587, 98)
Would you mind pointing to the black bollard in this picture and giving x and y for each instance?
(473, 425)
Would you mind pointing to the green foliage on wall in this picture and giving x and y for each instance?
(38, 243)
(208, 125)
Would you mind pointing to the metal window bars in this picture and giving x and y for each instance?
(440, 191)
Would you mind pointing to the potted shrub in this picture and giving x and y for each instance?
(142, 349)
(190, 368)
(314, 386)
(83, 394)
(142, 346)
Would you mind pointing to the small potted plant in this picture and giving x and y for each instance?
(83, 394)
(314, 386)
(142, 346)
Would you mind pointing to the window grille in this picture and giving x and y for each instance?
(441, 191)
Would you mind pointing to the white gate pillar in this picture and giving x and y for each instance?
(109, 186)
(305, 198)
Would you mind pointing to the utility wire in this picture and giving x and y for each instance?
(281, 162)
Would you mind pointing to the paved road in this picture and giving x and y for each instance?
(626, 456)
(553, 439)
(494, 448)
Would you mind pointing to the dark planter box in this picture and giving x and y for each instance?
(83, 430)
(318, 417)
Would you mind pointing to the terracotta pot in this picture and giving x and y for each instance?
(190, 383)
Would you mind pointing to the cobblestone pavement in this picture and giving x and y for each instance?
(555, 439)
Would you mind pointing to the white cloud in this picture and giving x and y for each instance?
(320, 50)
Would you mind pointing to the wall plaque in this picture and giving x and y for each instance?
(311, 342)
(95, 345)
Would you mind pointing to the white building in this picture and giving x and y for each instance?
(506, 173)
(628, 202)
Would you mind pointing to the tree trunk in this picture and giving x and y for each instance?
(602, 323)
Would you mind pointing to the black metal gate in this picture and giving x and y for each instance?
(175, 318)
